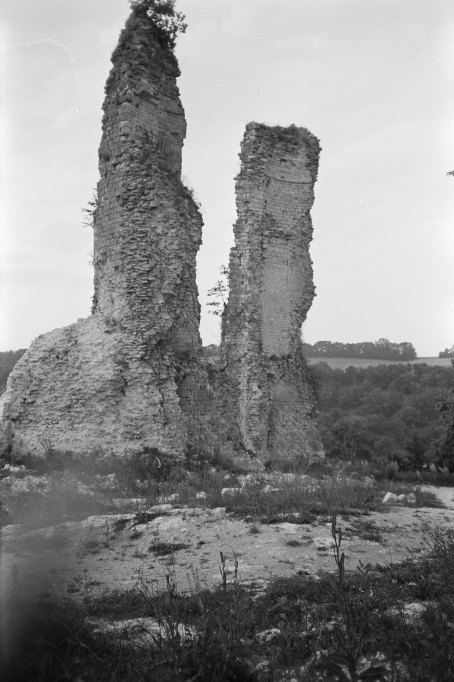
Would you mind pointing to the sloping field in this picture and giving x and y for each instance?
(343, 363)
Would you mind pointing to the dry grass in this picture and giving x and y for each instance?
(327, 627)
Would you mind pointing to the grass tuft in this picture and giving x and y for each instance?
(389, 623)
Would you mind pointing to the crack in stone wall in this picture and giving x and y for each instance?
(271, 290)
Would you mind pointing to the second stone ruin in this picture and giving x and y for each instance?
(271, 290)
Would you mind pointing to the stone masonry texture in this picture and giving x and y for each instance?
(271, 290)
(110, 383)
(133, 377)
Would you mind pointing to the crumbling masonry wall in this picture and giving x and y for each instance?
(271, 290)
(132, 376)
(147, 229)
(110, 383)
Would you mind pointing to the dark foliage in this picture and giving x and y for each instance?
(446, 447)
(378, 350)
(447, 353)
(387, 414)
(166, 20)
(7, 361)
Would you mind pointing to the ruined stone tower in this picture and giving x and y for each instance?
(271, 290)
(109, 383)
(147, 229)
(133, 377)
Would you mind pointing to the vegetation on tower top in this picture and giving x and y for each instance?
(166, 19)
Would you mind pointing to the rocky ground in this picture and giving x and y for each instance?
(178, 539)
(112, 551)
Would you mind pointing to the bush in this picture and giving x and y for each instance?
(165, 18)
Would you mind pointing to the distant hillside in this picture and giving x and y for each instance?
(7, 361)
(386, 413)
(343, 363)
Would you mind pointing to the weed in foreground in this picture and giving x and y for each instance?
(330, 629)
(341, 627)
(201, 636)
(346, 664)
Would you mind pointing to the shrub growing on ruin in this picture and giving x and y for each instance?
(164, 16)
(219, 293)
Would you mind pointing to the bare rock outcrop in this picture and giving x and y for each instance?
(109, 383)
(271, 290)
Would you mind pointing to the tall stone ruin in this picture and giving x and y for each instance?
(109, 383)
(133, 375)
(271, 290)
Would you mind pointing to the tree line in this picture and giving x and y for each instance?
(447, 353)
(379, 350)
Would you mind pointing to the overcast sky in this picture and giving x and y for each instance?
(372, 79)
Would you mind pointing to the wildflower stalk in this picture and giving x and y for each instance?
(344, 663)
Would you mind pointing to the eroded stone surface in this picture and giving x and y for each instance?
(147, 228)
(271, 290)
(109, 383)
(133, 377)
